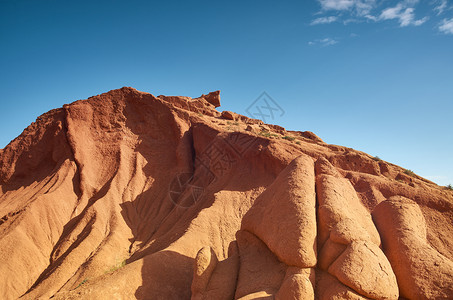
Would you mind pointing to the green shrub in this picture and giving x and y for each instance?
(449, 187)
(82, 283)
(377, 158)
(409, 172)
(268, 134)
(116, 267)
(289, 138)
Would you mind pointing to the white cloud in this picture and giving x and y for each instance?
(391, 12)
(328, 42)
(370, 17)
(352, 20)
(410, 2)
(446, 26)
(324, 20)
(360, 7)
(364, 7)
(405, 16)
(441, 7)
(336, 4)
(402, 11)
(323, 42)
(420, 21)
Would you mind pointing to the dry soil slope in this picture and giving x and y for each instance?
(127, 195)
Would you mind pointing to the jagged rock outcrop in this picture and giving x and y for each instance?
(284, 215)
(127, 195)
(422, 272)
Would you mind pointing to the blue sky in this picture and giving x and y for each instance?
(372, 75)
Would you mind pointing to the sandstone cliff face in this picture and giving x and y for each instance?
(127, 195)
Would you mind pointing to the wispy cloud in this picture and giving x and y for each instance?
(336, 4)
(441, 6)
(360, 7)
(352, 20)
(446, 26)
(404, 15)
(323, 42)
(324, 20)
(371, 18)
(404, 12)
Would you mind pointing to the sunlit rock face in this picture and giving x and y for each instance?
(126, 195)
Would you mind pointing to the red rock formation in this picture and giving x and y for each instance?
(127, 195)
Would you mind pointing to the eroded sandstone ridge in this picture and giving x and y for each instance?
(126, 195)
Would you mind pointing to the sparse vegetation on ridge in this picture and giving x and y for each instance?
(409, 172)
(232, 126)
(82, 283)
(289, 138)
(268, 134)
(116, 267)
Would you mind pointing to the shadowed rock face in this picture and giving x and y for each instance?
(127, 195)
